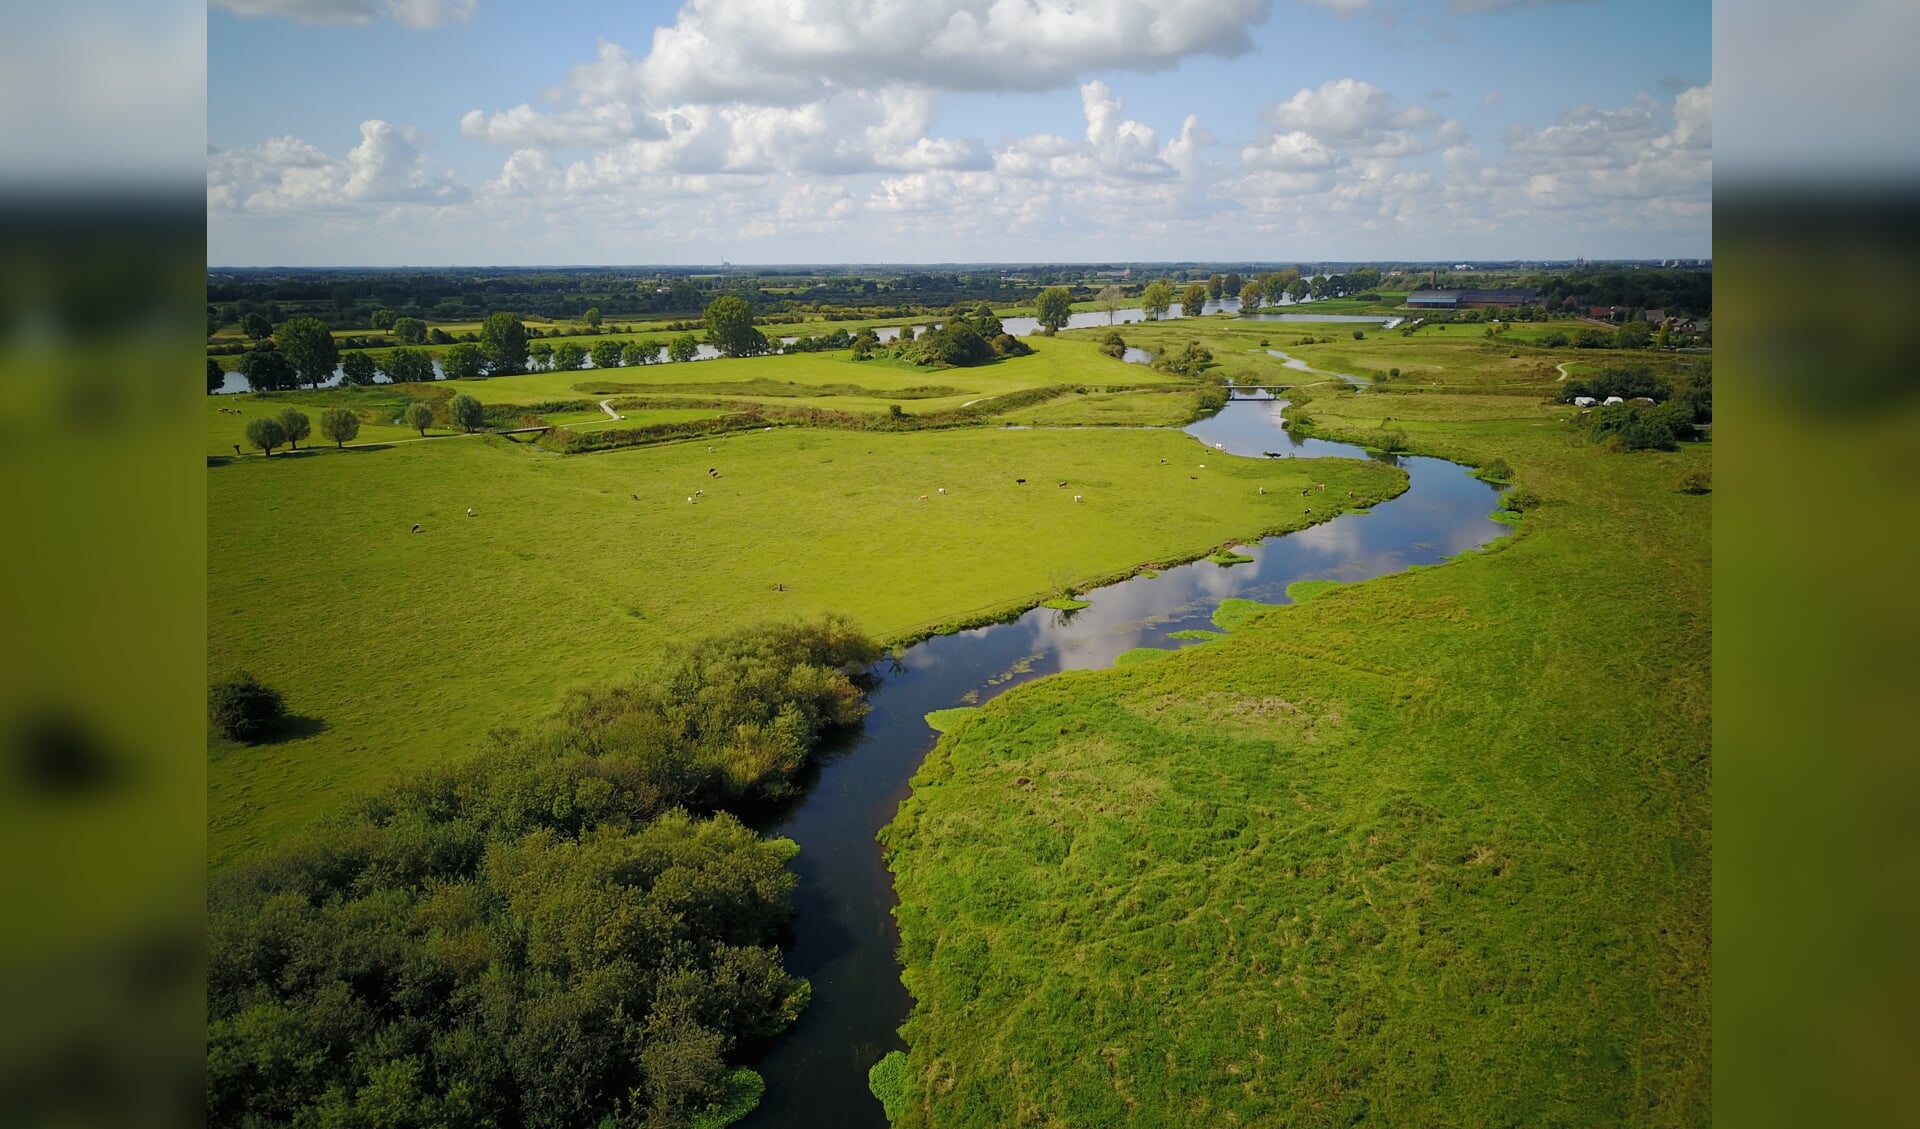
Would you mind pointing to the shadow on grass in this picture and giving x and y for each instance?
(295, 727)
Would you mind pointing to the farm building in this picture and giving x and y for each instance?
(1463, 299)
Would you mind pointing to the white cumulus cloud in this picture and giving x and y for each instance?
(288, 174)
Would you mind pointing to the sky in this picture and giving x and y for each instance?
(482, 132)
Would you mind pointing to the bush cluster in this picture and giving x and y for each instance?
(242, 708)
(574, 929)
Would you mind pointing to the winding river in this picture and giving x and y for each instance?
(844, 939)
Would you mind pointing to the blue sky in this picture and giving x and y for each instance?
(475, 131)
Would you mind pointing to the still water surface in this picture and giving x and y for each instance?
(844, 936)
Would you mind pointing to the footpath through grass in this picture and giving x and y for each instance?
(400, 649)
(1429, 850)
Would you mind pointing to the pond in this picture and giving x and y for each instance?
(843, 935)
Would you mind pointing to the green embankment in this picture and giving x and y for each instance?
(1433, 849)
(403, 649)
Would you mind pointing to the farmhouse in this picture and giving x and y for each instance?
(1463, 299)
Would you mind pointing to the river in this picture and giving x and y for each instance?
(844, 939)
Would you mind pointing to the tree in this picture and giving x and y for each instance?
(568, 356)
(419, 417)
(242, 708)
(216, 376)
(266, 434)
(1251, 296)
(465, 411)
(1274, 288)
(683, 348)
(410, 331)
(1193, 300)
(308, 345)
(357, 368)
(1298, 289)
(264, 369)
(985, 322)
(1231, 284)
(730, 327)
(505, 340)
(1156, 299)
(639, 353)
(1114, 345)
(382, 318)
(592, 318)
(339, 425)
(407, 366)
(256, 326)
(1216, 286)
(1633, 335)
(540, 357)
(295, 423)
(465, 361)
(606, 353)
(1053, 308)
(1109, 299)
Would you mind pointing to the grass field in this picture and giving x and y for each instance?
(404, 649)
(1429, 850)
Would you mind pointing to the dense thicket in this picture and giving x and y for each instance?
(544, 936)
(1682, 405)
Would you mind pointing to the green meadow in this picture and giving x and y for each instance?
(398, 649)
(1432, 849)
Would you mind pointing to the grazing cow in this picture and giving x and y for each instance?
(1303, 493)
(1076, 497)
(699, 493)
(689, 499)
(236, 448)
(923, 498)
(1063, 485)
(1263, 490)
(469, 511)
(416, 527)
(713, 472)
(1309, 509)
(636, 497)
(1203, 466)
(1193, 478)
(1219, 446)
(943, 490)
(1023, 481)
(1163, 462)
(1323, 486)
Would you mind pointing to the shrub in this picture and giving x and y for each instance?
(887, 1079)
(1394, 372)
(1519, 500)
(419, 417)
(1696, 482)
(242, 708)
(1359, 334)
(1496, 471)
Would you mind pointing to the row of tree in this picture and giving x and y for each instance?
(571, 930)
(342, 425)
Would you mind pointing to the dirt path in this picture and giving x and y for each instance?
(1562, 366)
(607, 407)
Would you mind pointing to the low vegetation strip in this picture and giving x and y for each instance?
(772, 389)
(544, 935)
(1433, 849)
